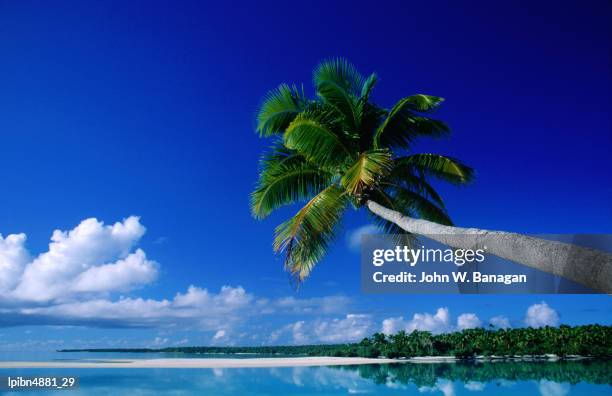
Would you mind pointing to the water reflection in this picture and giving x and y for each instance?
(474, 375)
(550, 388)
(503, 378)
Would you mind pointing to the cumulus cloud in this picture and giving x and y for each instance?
(122, 275)
(219, 335)
(319, 305)
(540, 315)
(353, 238)
(90, 258)
(468, 321)
(78, 279)
(393, 325)
(500, 321)
(13, 258)
(196, 307)
(352, 327)
(437, 323)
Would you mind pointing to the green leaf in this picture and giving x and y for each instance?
(399, 235)
(368, 86)
(413, 204)
(402, 126)
(370, 167)
(423, 103)
(342, 73)
(286, 177)
(418, 185)
(363, 109)
(444, 168)
(313, 135)
(338, 98)
(305, 237)
(279, 108)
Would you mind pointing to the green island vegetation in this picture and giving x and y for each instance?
(563, 341)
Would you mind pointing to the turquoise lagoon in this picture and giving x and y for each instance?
(452, 379)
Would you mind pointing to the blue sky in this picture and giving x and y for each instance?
(111, 110)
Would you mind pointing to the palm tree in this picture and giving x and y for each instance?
(341, 149)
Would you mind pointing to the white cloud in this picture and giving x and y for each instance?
(319, 305)
(393, 325)
(468, 321)
(75, 280)
(13, 258)
(122, 275)
(540, 315)
(159, 341)
(297, 330)
(197, 307)
(500, 321)
(353, 327)
(439, 322)
(219, 335)
(90, 258)
(353, 237)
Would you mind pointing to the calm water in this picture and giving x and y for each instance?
(546, 379)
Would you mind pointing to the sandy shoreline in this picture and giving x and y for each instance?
(200, 363)
(262, 362)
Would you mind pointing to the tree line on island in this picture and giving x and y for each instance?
(589, 340)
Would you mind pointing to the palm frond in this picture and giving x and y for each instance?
(370, 167)
(399, 235)
(444, 168)
(424, 126)
(305, 237)
(337, 97)
(402, 126)
(286, 177)
(340, 85)
(371, 117)
(314, 135)
(363, 107)
(414, 204)
(342, 73)
(419, 184)
(423, 103)
(279, 108)
(368, 86)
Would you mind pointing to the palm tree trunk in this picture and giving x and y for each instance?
(588, 267)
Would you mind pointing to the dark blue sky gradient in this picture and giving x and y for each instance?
(118, 108)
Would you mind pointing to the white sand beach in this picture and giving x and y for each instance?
(199, 363)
